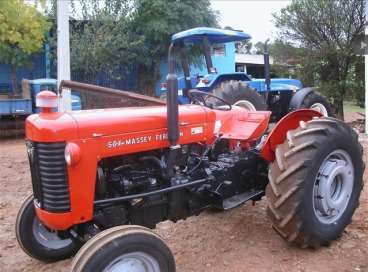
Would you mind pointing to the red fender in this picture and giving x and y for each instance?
(278, 134)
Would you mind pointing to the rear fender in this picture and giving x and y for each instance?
(279, 131)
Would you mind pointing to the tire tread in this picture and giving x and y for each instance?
(286, 177)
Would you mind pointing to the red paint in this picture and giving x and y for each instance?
(278, 134)
(99, 134)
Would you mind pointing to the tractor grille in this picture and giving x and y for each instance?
(49, 175)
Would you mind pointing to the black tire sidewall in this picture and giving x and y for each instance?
(234, 91)
(252, 98)
(137, 242)
(29, 243)
(321, 231)
(316, 97)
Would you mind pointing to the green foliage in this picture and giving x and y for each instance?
(132, 33)
(103, 41)
(243, 47)
(259, 48)
(22, 33)
(325, 30)
(357, 74)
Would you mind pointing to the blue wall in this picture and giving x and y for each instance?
(37, 70)
(223, 64)
(124, 79)
(41, 69)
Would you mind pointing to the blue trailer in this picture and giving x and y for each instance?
(14, 108)
(279, 95)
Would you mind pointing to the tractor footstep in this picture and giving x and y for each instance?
(236, 200)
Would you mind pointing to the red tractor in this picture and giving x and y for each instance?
(102, 178)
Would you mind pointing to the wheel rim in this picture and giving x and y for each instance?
(133, 262)
(245, 104)
(48, 238)
(333, 187)
(320, 108)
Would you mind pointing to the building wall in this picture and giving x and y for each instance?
(250, 64)
(37, 70)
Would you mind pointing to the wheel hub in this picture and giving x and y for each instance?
(333, 187)
(48, 238)
(320, 108)
(245, 104)
(133, 262)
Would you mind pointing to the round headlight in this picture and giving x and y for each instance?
(72, 154)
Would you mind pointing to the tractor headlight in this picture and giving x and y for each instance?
(72, 154)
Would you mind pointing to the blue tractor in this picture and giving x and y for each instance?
(279, 95)
(14, 108)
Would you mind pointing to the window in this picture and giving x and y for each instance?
(219, 50)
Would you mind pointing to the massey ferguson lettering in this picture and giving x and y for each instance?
(129, 141)
(138, 140)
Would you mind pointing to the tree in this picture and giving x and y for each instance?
(243, 47)
(259, 48)
(326, 30)
(101, 39)
(156, 21)
(133, 33)
(22, 33)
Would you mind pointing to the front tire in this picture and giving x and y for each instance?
(124, 249)
(38, 241)
(315, 182)
(240, 94)
(316, 101)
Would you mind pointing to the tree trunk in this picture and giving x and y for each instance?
(14, 79)
(146, 80)
(339, 109)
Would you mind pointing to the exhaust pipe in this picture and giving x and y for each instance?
(172, 100)
(172, 113)
(266, 57)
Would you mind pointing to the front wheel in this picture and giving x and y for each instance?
(315, 182)
(37, 240)
(124, 249)
(316, 101)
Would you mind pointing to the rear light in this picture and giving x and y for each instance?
(205, 81)
(46, 100)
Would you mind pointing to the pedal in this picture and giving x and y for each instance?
(239, 199)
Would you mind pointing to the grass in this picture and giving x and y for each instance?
(351, 107)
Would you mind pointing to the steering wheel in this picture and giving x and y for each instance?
(201, 98)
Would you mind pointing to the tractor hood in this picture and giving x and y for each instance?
(196, 124)
(129, 120)
(51, 127)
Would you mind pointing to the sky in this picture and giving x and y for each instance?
(252, 16)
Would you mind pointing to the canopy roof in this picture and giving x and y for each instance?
(214, 35)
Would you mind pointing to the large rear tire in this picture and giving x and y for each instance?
(125, 249)
(37, 240)
(315, 182)
(240, 94)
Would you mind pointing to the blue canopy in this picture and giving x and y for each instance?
(214, 35)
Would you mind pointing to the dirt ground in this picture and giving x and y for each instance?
(238, 240)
